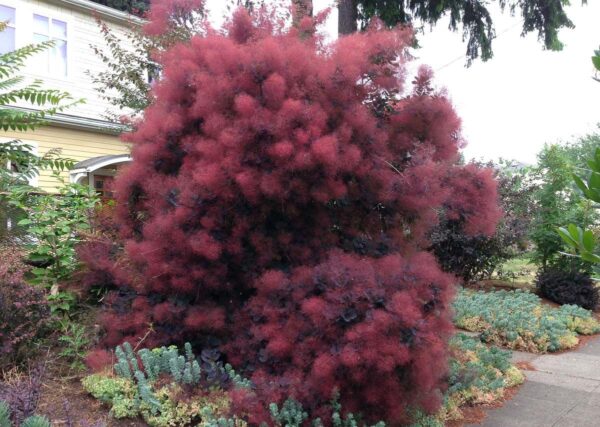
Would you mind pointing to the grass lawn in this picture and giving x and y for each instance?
(518, 272)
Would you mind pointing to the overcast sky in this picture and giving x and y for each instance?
(524, 96)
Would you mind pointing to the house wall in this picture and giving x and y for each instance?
(82, 32)
(74, 144)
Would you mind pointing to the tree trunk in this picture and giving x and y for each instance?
(347, 17)
(303, 8)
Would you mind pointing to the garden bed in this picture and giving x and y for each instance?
(520, 320)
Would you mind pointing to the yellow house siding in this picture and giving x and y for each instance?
(74, 144)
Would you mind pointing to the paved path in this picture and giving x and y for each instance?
(563, 391)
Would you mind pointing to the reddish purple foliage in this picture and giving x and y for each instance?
(279, 204)
(374, 328)
(24, 311)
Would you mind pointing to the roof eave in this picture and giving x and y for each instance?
(77, 122)
(103, 12)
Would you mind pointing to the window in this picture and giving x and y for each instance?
(53, 60)
(8, 36)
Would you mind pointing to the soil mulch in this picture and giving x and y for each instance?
(66, 403)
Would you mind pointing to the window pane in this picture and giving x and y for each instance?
(7, 40)
(59, 29)
(58, 64)
(40, 60)
(7, 14)
(40, 24)
(39, 38)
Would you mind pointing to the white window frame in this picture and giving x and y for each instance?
(15, 26)
(21, 22)
(34, 149)
(51, 16)
(24, 32)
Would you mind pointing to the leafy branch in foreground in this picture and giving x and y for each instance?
(25, 165)
(581, 240)
(13, 89)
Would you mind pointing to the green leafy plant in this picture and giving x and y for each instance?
(23, 164)
(519, 320)
(75, 340)
(4, 414)
(151, 383)
(56, 223)
(36, 421)
(44, 102)
(578, 239)
(556, 202)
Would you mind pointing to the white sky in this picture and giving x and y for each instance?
(521, 98)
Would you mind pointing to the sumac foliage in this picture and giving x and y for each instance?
(278, 206)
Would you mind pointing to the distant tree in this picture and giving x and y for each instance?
(545, 17)
(130, 68)
(135, 7)
(303, 8)
(557, 201)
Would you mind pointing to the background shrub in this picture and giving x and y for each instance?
(568, 287)
(21, 393)
(477, 257)
(262, 161)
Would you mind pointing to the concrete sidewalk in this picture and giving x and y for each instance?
(563, 391)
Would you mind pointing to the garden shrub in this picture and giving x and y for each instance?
(519, 320)
(477, 257)
(266, 160)
(568, 287)
(24, 311)
(21, 394)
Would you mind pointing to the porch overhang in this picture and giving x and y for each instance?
(84, 168)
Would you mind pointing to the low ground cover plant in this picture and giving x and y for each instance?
(167, 387)
(479, 374)
(32, 421)
(518, 320)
